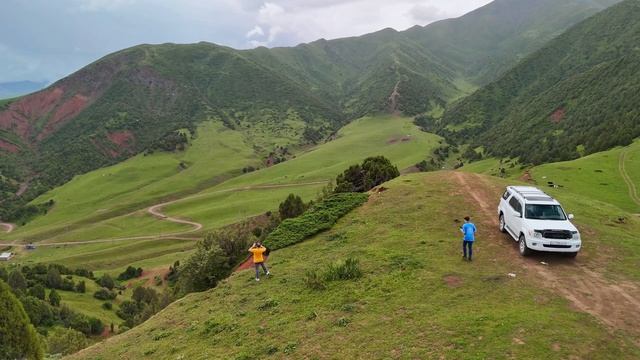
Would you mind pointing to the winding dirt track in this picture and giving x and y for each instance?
(633, 191)
(7, 227)
(156, 211)
(616, 304)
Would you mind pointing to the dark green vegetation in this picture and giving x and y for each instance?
(18, 338)
(129, 101)
(578, 95)
(321, 216)
(361, 178)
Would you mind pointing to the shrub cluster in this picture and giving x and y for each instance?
(319, 217)
(346, 270)
(362, 178)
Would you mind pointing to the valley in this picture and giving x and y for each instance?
(131, 189)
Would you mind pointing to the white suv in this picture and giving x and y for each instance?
(537, 222)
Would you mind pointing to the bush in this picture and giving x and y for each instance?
(81, 287)
(291, 207)
(104, 294)
(107, 306)
(106, 282)
(347, 270)
(54, 298)
(319, 217)
(65, 341)
(130, 273)
(314, 281)
(362, 178)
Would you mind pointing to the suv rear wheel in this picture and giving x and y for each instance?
(522, 245)
(502, 223)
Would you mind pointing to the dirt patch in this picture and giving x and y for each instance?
(150, 277)
(396, 140)
(63, 113)
(558, 115)
(248, 264)
(122, 138)
(526, 177)
(453, 281)
(7, 146)
(394, 100)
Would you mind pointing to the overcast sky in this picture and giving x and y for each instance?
(47, 39)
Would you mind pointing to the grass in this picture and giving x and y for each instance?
(362, 138)
(596, 175)
(120, 189)
(415, 297)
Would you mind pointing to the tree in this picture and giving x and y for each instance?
(362, 178)
(39, 311)
(291, 207)
(54, 280)
(65, 341)
(17, 281)
(107, 282)
(81, 287)
(54, 298)
(204, 268)
(4, 275)
(19, 338)
(37, 291)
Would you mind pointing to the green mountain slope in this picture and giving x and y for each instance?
(576, 96)
(415, 299)
(127, 101)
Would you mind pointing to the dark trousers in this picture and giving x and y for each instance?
(258, 265)
(465, 245)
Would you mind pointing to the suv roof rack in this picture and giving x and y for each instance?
(531, 193)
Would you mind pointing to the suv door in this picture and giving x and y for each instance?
(514, 218)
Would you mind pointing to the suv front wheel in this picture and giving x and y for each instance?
(522, 245)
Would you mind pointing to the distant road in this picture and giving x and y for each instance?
(7, 227)
(633, 191)
(156, 211)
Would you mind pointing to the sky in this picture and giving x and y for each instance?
(45, 40)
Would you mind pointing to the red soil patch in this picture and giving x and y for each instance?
(68, 110)
(399, 139)
(453, 281)
(7, 146)
(248, 264)
(18, 117)
(558, 115)
(122, 138)
(526, 177)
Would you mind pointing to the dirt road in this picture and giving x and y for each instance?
(616, 304)
(156, 211)
(7, 227)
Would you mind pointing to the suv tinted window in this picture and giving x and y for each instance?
(515, 204)
(506, 195)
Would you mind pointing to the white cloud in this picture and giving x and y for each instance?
(101, 5)
(256, 31)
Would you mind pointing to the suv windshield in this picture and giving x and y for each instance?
(544, 212)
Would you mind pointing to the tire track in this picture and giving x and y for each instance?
(7, 227)
(615, 304)
(633, 191)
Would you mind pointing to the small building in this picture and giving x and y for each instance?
(6, 256)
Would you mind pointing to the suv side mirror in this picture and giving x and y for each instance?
(570, 216)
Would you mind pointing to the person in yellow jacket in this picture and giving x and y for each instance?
(258, 258)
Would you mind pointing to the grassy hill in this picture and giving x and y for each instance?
(573, 97)
(84, 214)
(129, 101)
(416, 298)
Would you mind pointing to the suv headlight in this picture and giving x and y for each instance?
(575, 235)
(536, 234)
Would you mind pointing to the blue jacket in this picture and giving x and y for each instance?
(469, 231)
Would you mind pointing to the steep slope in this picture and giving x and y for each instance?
(490, 40)
(416, 297)
(576, 96)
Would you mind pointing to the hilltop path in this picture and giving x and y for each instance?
(633, 191)
(616, 304)
(156, 211)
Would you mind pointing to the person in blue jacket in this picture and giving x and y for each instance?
(469, 231)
